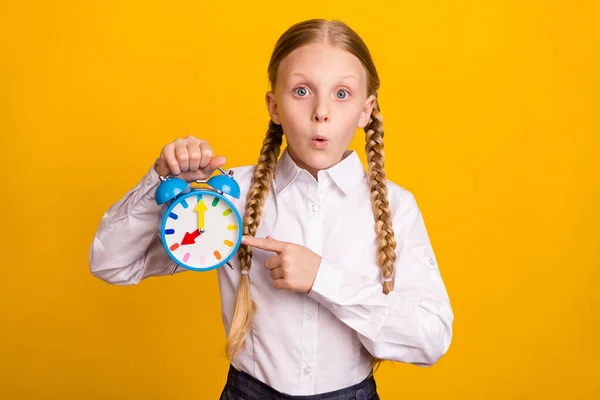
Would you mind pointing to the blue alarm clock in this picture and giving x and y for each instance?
(200, 228)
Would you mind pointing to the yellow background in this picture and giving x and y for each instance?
(491, 119)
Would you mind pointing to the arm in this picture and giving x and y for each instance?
(413, 323)
(126, 247)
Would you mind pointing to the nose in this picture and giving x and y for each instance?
(321, 113)
(321, 117)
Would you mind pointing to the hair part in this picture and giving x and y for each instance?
(338, 34)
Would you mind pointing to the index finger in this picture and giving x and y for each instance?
(264, 244)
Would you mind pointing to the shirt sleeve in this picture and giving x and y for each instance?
(126, 247)
(411, 324)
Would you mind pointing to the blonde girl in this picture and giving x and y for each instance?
(336, 271)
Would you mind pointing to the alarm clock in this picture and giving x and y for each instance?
(200, 228)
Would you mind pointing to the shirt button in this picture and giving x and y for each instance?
(307, 370)
(431, 261)
(310, 315)
(315, 207)
(361, 394)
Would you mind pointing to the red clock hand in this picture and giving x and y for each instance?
(190, 238)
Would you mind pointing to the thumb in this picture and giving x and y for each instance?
(215, 163)
(206, 172)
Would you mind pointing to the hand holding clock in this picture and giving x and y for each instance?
(293, 268)
(190, 159)
(186, 208)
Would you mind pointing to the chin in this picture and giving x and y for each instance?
(320, 159)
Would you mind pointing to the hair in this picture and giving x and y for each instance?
(335, 33)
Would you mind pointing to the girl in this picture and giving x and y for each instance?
(346, 277)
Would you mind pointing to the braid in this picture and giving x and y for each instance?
(261, 183)
(386, 242)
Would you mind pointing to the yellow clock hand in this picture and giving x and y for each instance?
(200, 209)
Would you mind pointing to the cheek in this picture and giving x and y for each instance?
(294, 113)
(349, 117)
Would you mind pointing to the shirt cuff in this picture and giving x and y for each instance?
(150, 183)
(326, 286)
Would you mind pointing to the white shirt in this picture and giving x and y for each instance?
(304, 344)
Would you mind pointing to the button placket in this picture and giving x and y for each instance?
(314, 225)
(313, 201)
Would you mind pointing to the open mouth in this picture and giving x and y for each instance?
(319, 141)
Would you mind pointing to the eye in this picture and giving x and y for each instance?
(342, 94)
(300, 91)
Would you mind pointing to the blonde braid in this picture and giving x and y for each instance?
(386, 241)
(261, 183)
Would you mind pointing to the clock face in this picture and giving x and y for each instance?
(201, 230)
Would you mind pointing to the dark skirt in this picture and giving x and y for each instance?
(242, 386)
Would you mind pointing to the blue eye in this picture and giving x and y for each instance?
(342, 91)
(301, 91)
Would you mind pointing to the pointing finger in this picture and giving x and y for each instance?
(269, 244)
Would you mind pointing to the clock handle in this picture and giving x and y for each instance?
(230, 173)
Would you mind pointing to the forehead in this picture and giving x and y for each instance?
(323, 62)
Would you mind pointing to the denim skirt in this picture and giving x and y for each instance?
(242, 386)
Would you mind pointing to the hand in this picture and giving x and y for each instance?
(190, 159)
(294, 267)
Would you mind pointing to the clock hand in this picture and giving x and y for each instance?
(190, 238)
(200, 209)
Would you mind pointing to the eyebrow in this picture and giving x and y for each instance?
(352, 76)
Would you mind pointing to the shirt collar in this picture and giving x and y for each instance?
(345, 174)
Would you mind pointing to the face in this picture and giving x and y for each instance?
(320, 100)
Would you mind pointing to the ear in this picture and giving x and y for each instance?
(365, 114)
(272, 107)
